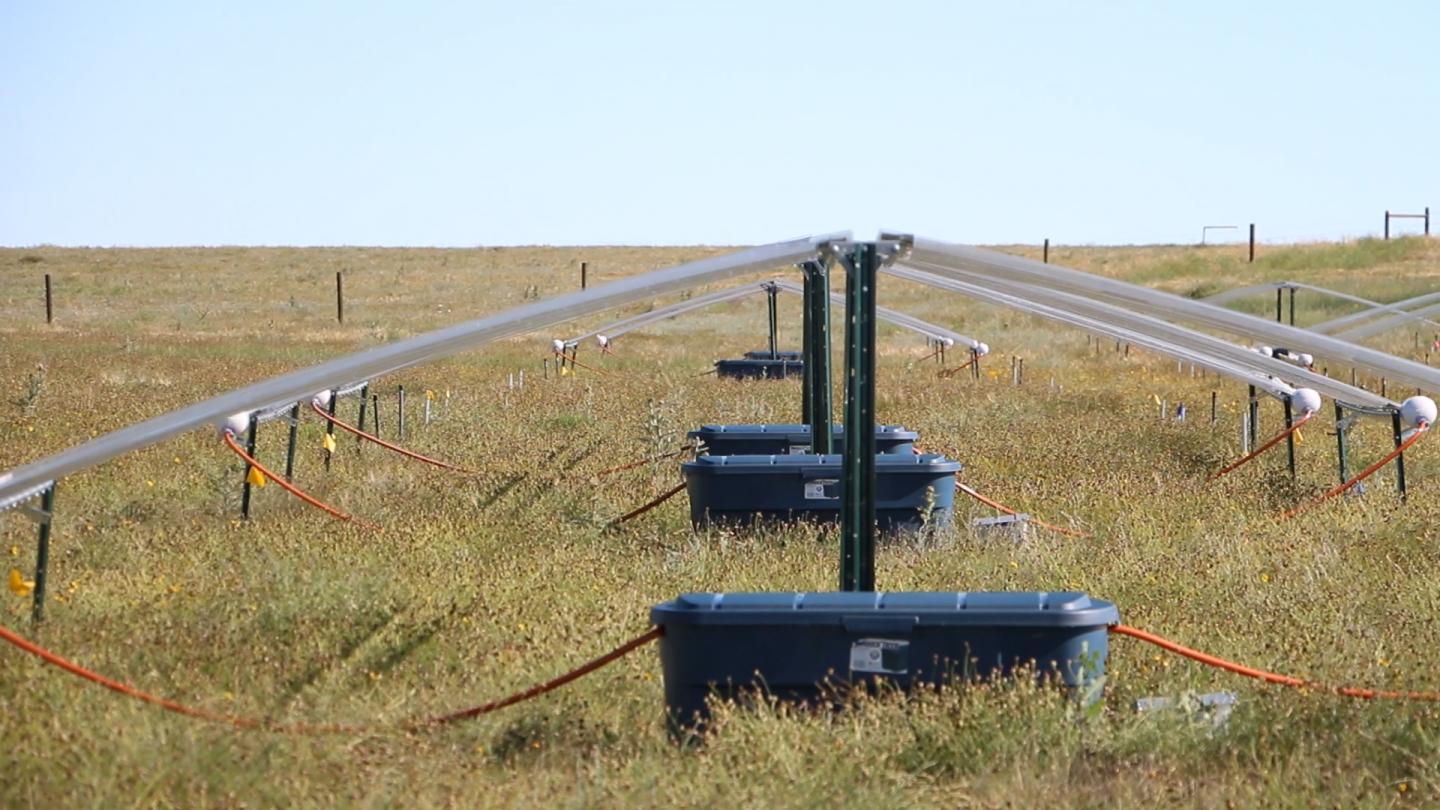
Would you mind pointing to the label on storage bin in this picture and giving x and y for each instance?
(799, 449)
(880, 655)
(822, 489)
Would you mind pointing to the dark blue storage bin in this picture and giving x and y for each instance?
(760, 369)
(786, 439)
(738, 490)
(790, 644)
(764, 354)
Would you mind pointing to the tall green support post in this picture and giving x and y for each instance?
(857, 522)
(771, 292)
(251, 436)
(817, 357)
(1340, 443)
(807, 380)
(1290, 438)
(290, 446)
(42, 555)
(1399, 430)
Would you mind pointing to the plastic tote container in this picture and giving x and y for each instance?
(793, 644)
(760, 369)
(738, 490)
(764, 354)
(785, 439)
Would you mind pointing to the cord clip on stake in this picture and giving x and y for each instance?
(229, 438)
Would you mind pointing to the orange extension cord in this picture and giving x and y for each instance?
(1007, 510)
(642, 462)
(337, 422)
(291, 488)
(662, 498)
(1369, 471)
(1266, 446)
(951, 372)
(565, 358)
(305, 728)
(1268, 677)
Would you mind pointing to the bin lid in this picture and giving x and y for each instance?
(925, 608)
(794, 431)
(885, 464)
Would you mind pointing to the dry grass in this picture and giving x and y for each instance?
(482, 585)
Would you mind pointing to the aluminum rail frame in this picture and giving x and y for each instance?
(633, 322)
(1408, 306)
(989, 294)
(1175, 336)
(894, 317)
(1173, 307)
(1374, 307)
(305, 382)
(1387, 323)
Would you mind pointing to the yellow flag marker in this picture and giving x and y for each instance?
(255, 477)
(19, 585)
(564, 371)
(1155, 397)
(429, 395)
(1298, 438)
(329, 442)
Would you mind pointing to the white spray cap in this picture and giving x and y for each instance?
(321, 400)
(602, 340)
(558, 346)
(948, 342)
(236, 424)
(1267, 351)
(1306, 400)
(1307, 360)
(1415, 410)
(982, 349)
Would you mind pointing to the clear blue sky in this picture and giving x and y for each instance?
(418, 123)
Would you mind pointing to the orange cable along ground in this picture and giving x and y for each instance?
(1268, 677)
(950, 372)
(291, 488)
(642, 462)
(1007, 510)
(634, 513)
(305, 728)
(1369, 471)
(337, 422)
(1266, 446)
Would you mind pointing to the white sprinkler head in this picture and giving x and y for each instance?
(1306, 400)
(602, 340)
(948, 342)
(1415, 410)
(1307, 360)
(982, 349)
(558, 346)
(1267, 351)
(236, 424)
(321, 400)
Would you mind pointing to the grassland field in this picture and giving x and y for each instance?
(484, 584)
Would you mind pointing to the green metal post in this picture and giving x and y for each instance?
(42, 556)
(857, 524)
(1292, 306)
(290, 446)
(250, 439)
(1254, 418)
(1279, 305)
(1340, 443)
(330, 426)
(771, 291)
(807, 374)
(1290, 439)
(817, 361)
(364, 401)
(1399, 432)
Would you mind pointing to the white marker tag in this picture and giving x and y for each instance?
(880, 655)
(822, 489)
